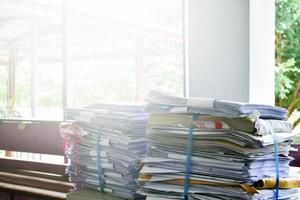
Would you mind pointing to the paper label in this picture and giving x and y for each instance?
(205, 103)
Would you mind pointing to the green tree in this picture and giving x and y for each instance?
(288, 55)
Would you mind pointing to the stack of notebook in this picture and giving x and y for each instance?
(105, 146)
(209, 149)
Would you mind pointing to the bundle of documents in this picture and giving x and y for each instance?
(212, 153)
(106, 147)
(159, 102)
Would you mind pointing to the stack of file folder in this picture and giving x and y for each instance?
(209, 149)
(105, 146)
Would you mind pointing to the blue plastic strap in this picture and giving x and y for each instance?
(99, 169)
(276, 161)
(189, 159)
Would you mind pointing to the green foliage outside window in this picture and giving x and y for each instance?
(287, 42)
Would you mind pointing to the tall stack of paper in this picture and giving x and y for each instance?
(209, 150)
(106, 152)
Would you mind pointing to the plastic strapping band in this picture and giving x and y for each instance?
(99, 169)
(189, 159)
(276, 161)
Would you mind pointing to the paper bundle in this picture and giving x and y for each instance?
(105, 147)
(228, 152)
(159, 102)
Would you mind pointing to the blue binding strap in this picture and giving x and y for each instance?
(189, 159)
(99, 169)
(276, 161)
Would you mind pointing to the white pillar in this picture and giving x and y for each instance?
(67, 55)
(230, 49)
(34, 64)
(262, 51)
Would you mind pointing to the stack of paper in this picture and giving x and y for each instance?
(159, 102)
(107, 147)
(228, 154)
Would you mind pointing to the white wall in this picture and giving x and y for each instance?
(262, 51)
(228, 46)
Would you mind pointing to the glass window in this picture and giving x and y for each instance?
(113, 51)
(31, 55)
(3, 88)
(120, 49)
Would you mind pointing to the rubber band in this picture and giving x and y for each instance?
(99, 169)
(189, 159)
(276, 161)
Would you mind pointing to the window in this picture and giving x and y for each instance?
(3, 87)
(82, 52)
(31, 58)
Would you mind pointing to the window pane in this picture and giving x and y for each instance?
(120, 49)
(3, 88)
(115, 51)
(31, 52)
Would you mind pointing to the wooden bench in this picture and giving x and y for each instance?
(42, 180)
